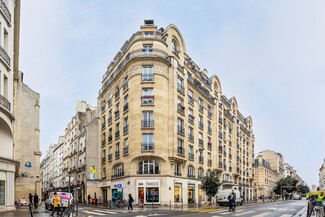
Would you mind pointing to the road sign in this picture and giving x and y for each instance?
(119, 185)
(119, 189)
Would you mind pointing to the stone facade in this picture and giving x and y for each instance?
(165, 124)
(276, 160)
(9, 56)
(265, 178)
(75, 153)
(26, 139)
(322, 177)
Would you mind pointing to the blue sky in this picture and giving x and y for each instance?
(269, 54)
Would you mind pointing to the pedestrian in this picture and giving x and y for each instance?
(36, 198)
(263, 198)
(89, 199)
(95, 199)
(235, 204)
(30, 198)
(130, 202)
(231, 202)
(57, 204)
(320, 199)
(115, 199)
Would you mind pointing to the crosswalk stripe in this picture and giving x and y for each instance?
(93, 213)
(104, 211)
(286, 215)
(262, 214)
(244, 213)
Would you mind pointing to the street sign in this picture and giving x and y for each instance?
(120, 189)
(119, 185)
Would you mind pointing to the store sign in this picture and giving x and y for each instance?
(148, 183)
(152, 184)
(105, 184)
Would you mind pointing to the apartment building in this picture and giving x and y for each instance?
(9, 56)
(265, 178)
(276, 161)
(165, 124)
(322, 176)
(48, 171)
(26, 139)
(75, 156)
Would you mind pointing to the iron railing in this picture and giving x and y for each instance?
(4, 102)
(5, 10)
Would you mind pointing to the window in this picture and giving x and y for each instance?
(126, 146)
(174, 44)
(180, 147)
(200, 173)
(104, 173)
(118, 170)
(147, 119)
(147, 73)
(147, 142)
(190, 112)
(180, 105)
(147, 96)
(147, 50)
(190, 172)
(180, 126)
(148, 34)
(177, 170)
(126, 103)
(200, 136)
(180, 86)
(190, 97)
(149, 167)
(180, 101)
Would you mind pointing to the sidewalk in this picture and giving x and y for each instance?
(302, 212)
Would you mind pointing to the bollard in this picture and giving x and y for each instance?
(170, 204)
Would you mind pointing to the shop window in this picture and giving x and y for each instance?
(200, 193)
(178, 192)
(2, 192)
(148, 167)
(152, 194)
(191, 193)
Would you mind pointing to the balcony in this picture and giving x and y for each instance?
(5, 11)
(226, 182)
(230, 143)
(110, 138)
(191, 137)
(117, 95)
(181, 151)
(147, 77)
(103, 142)
(191, 100)
(227, 113)
(103, 160)
(110, 157)
(117, 134)
(209, 146)
(126, 150)
(180, 88)
(147, 123)
(117, 114)
(220, 149)
(200, 108)
(209, 130)
(190, 176)
(180, 108)
(121, 174)
(191, 119)
(125, 86)
(147, 146)
(237, 145)
(109, 120)
(224, 153)
(220, 164)
(198, 85)
(230, 169)
(209, 162)
(237, 158)
(104, 107)
(230, 130)
(178, 173)
(181, 130)
(125, 107)
(109, 102)
(225, 167)
(117, 154)
(245, 129)
(220, 120)
(201, 125)
(201, 159)
(209, 114)
(191, 156)
(147, 100)
(4, 102)
(201, 142)
(125, 129)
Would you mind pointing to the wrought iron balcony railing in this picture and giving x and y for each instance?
(4, 102)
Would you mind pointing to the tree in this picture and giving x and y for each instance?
(211, 185)
(303, 189)
(288, 184)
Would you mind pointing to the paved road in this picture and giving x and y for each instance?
(277, 209)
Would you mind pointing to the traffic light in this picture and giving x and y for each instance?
(317, 188)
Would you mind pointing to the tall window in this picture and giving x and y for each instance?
(177, 170)
(190, 171)
(147, 96)
(147, 119)
(148, 167)
(126, 102)
(147, 73)
(180, 86)
(147, 49)
(104, 173)
(174, 43)
(147, 142)
(118, 170)
(200, 173)
(148, 34)
(190, 131)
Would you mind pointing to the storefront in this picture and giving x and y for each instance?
(200, 193)
(178, 193)
(148, 191)
(191, 193)
(117, 191)
(105, 186)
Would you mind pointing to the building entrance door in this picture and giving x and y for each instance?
(191, 193)
(105, 195)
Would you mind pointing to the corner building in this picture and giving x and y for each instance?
(165, 124)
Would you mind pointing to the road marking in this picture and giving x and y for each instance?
(207, 210)
(244, 213)
(93, 213)
(104, 211)
(286, 215)
(262, 214)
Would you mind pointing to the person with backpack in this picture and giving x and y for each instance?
(57, 204)
(130, 202)
(36, 199)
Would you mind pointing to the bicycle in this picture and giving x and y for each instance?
(68, 211)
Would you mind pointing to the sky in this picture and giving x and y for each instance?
(268, 54)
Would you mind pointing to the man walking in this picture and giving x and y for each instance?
(89, 199)
(36, 198)
(57, 204)
(130, 202)
(231, 199)
(30, 198)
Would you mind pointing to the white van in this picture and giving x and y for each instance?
(223, 197)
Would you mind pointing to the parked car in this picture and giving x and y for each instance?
(297, 197)
(223, 197)
(66, 200)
